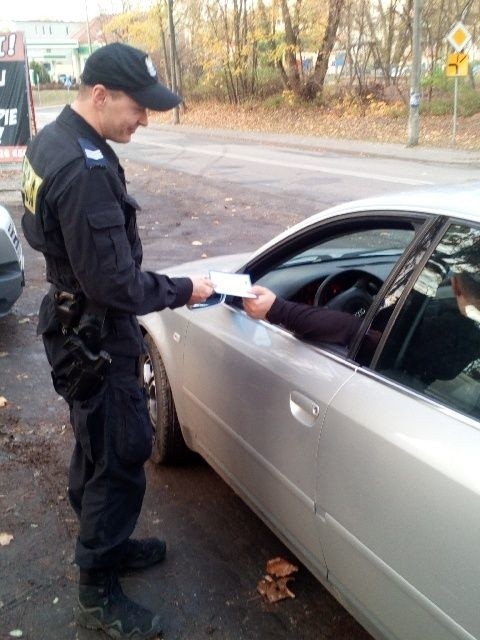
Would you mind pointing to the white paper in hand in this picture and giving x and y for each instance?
(232, 284)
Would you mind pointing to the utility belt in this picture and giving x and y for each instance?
(83, 324)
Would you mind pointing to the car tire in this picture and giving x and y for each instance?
(168, 444)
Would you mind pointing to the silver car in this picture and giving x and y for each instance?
(11, 263)
(363, 458)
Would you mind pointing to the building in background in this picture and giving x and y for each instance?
(60, 47)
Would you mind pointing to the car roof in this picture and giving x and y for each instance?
(460, 201)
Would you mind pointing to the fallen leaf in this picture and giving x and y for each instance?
(275, 590)
(197, 243)
(280, 568)
(5, 539)
(3, 401)
(24, 321)
(16, 633)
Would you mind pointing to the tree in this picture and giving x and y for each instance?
(41, 75)
(289, 73)
(309, 26)
(314, 85)
(230, 47)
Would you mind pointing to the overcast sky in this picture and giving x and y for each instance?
(57, 9)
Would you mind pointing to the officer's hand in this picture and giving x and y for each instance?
(257, 308)
(202, 289)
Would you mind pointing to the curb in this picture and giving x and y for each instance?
(395, 151)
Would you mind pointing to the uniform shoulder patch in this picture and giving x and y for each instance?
(93, 156)
(31, 183)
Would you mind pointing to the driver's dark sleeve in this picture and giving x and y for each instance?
(314, 324)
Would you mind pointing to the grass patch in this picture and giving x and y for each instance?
(52, 97)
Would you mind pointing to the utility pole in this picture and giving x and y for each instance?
(173, 55)
(414, 115)
(87, 21)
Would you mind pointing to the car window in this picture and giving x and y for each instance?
(364, 246)
(380, 241)
(434, 345)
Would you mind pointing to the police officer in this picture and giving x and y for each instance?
(79, 215)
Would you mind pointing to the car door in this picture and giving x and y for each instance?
(398, 474)
(255, 398)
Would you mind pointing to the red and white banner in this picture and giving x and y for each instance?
(14, 98)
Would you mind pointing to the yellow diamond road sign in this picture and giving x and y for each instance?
(459, 37)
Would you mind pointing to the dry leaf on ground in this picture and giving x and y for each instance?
(280, 568)
(5, 539)
(3, 401)
(275, 590)
(274, 585)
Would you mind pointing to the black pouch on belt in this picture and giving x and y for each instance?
(82, 323)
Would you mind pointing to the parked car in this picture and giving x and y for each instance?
(364, 460)
(11, 263)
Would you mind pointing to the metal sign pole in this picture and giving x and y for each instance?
(455, 103)
(457, 63)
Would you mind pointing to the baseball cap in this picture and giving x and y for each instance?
(124, 68)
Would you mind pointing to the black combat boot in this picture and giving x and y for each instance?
(103, 605)
(142, 553)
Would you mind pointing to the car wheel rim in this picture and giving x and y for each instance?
(150, 388)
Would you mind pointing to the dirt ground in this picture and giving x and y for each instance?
(217, 548)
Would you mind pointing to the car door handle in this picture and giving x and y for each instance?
(304, 408)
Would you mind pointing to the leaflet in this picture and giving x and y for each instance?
(232, 284)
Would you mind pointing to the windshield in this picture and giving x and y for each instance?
(375, 242)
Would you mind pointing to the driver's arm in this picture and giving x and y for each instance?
(313, 324)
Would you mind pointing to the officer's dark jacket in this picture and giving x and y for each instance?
(79, 215)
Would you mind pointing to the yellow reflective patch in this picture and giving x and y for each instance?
(31, 183)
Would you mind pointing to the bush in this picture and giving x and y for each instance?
(442, 95)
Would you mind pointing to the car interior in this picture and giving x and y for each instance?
(434, 347)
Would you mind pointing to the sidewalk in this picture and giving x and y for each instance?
(10, 173)
(419, 153)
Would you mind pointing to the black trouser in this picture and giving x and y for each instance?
(113, 437)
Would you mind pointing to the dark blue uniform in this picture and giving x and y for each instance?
(79, 215)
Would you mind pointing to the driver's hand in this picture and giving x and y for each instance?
(202, 289)
(257, 308)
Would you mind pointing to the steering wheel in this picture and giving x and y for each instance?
(356, 290)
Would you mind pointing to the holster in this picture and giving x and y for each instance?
(82, 323)
(86, 371)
